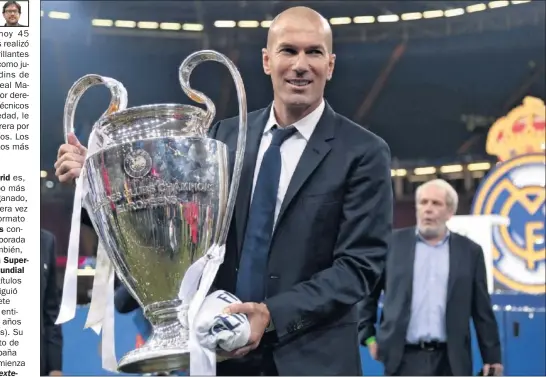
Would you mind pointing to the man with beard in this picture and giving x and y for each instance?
(12, 12)
(434, 283)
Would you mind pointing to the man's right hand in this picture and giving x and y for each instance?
(372, 348)
(70, 160)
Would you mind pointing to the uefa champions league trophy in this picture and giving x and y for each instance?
(158, 198)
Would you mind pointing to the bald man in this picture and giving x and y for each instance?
(313, 214)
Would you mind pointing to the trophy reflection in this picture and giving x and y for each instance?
(159, 197)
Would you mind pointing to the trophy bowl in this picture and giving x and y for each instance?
(159, 197)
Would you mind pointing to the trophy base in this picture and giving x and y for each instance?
(167, 348)
(146, 360)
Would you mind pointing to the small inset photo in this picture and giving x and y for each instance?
(15, 13)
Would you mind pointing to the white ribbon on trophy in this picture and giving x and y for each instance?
(195, 286)
(101, 310)
(480, 230)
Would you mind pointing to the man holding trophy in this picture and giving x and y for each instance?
(312, 210)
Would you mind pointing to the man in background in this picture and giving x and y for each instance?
(51, 336)
(434, 283)
(12, 12)
(312, 218)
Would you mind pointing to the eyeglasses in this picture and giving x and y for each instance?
(12, 11)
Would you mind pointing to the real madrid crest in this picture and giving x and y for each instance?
(137, 163)
(514, 189)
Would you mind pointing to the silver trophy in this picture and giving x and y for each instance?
(158, 199)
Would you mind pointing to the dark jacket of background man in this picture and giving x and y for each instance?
(467, 297)
(51, 337)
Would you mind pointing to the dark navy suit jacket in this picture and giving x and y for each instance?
(328, 247)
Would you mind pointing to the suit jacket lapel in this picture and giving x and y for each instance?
(254, 135)
(317, 148)
(410, 238)
(453, 263)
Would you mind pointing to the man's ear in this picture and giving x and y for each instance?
(265, 61)
(331, 65)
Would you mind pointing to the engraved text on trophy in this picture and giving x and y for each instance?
(156, 193)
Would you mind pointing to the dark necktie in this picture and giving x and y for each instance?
(251, 277)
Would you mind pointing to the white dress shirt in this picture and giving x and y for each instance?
(291, 149)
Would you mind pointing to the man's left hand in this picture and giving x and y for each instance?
(55, 373)
(498, 368)
(258, 316)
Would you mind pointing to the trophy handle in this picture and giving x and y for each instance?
(186, 68)
(117, 103)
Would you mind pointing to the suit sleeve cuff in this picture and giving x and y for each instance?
(55, 361)
(492, 356)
